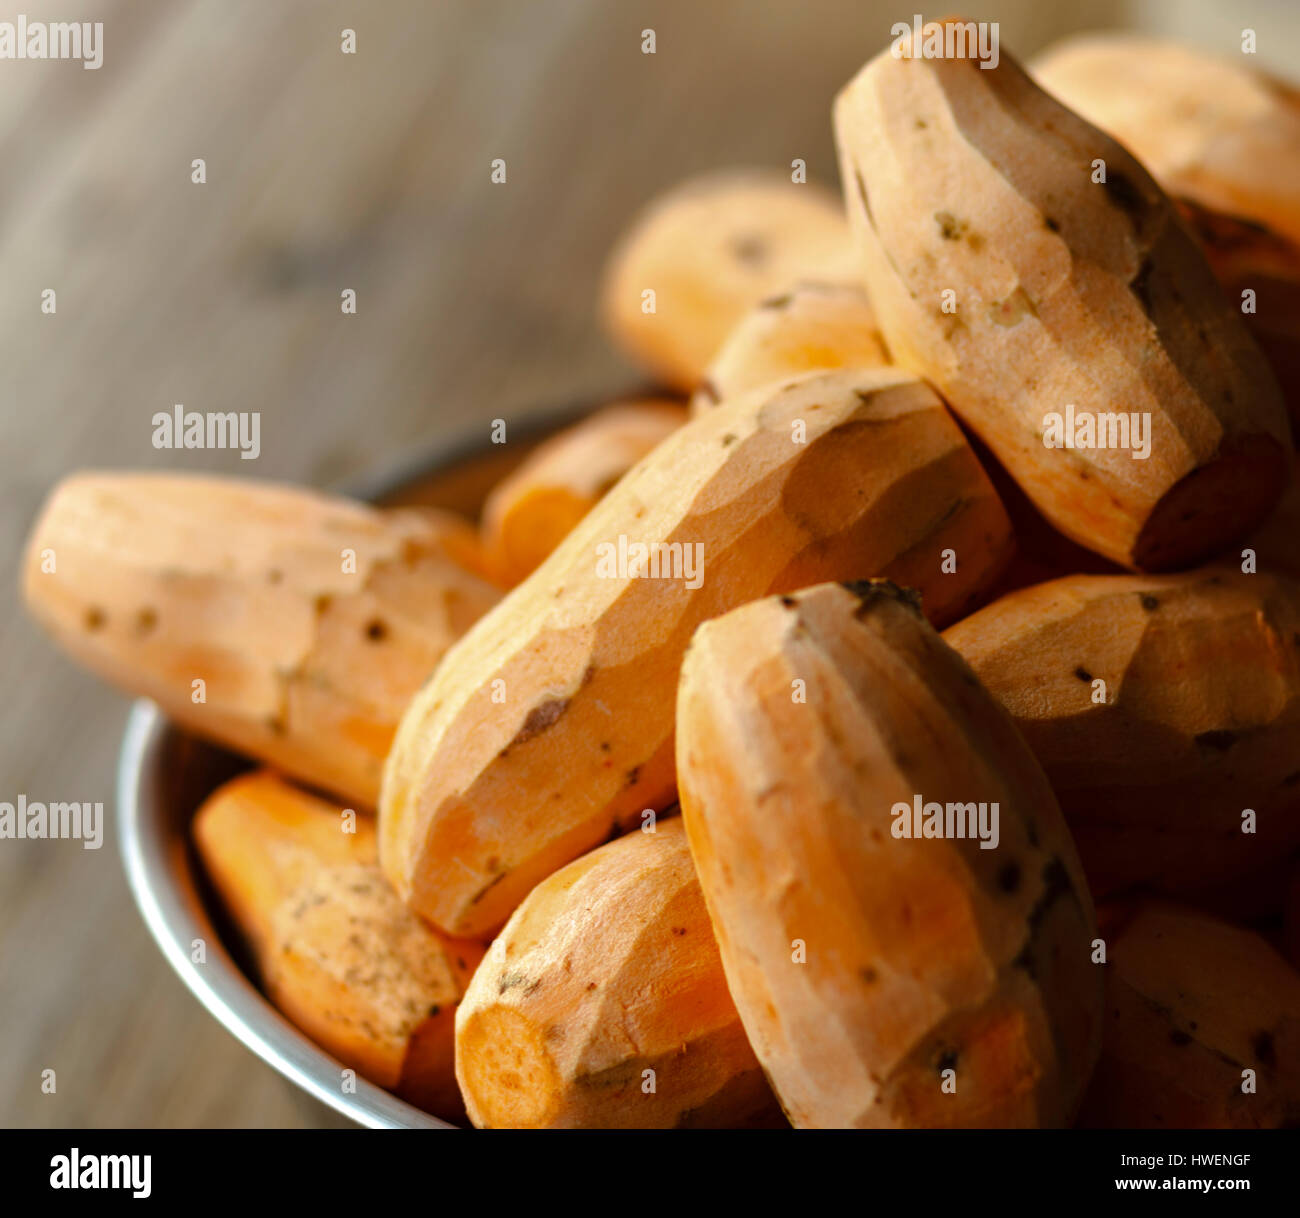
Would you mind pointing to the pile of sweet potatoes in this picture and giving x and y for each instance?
(656, 798)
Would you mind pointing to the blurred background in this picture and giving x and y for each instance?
(475, 301)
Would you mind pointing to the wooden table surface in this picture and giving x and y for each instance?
(475, 301)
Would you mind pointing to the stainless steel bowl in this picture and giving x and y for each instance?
(162, 777)
(164, 774)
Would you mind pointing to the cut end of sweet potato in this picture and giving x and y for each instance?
(602, 1004)
(1214, 505)
(508, 1068)
(336, 950)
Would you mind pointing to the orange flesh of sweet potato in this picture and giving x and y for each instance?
(865, 965)
(307, 658)
(549, 726)
(1221, 138)
(602, 1004)
(1065, 293)
(811, 327)
(531, 511)
(1192, 1003)
(1245, 256)
(1207, 127)
(1201, 718)
(710, 249)
(337, 952)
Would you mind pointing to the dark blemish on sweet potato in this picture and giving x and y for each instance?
(512, 980)
(1220, 740)
(869, 975)
(789, 602)
(95, 618)
(862, 194)
(729, 439)
(541, 717)
(633, 775)
(554, 1033)
(146, 620)
(1264, 1049)
(975, 241)
(750, 249)
(871, 592)
(274, 575)
(376, 630)
(947, 1060)
(1083, 674)
(588, 673)
(434, 1011)
(950, 228)
(710, 390)
(1051, 225)
(1140, 285)
(777, 302)
(275, 725)
(322, 603)
(591, 985)
(460, 962)
(679, 931)
(921, 124)
(1009, 877)
(1149, 602)
(604, 746)
(1124, 195)
(866, 396)
(482, 892)
(1056, 883)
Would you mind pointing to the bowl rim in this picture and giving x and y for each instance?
(161, 873)
(169, 901)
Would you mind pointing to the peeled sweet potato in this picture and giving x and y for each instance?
(1041, 553)
(287, 625)
(533, 509)
(1192, 1004)
(549, 726)
(1224, 139)
(812, 326)
(1200, 719)
(602, 1004)
(337, 952)
(1208, 127)
(709, 250)
(1245, 256)
(1028, 266)
(875, 971)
